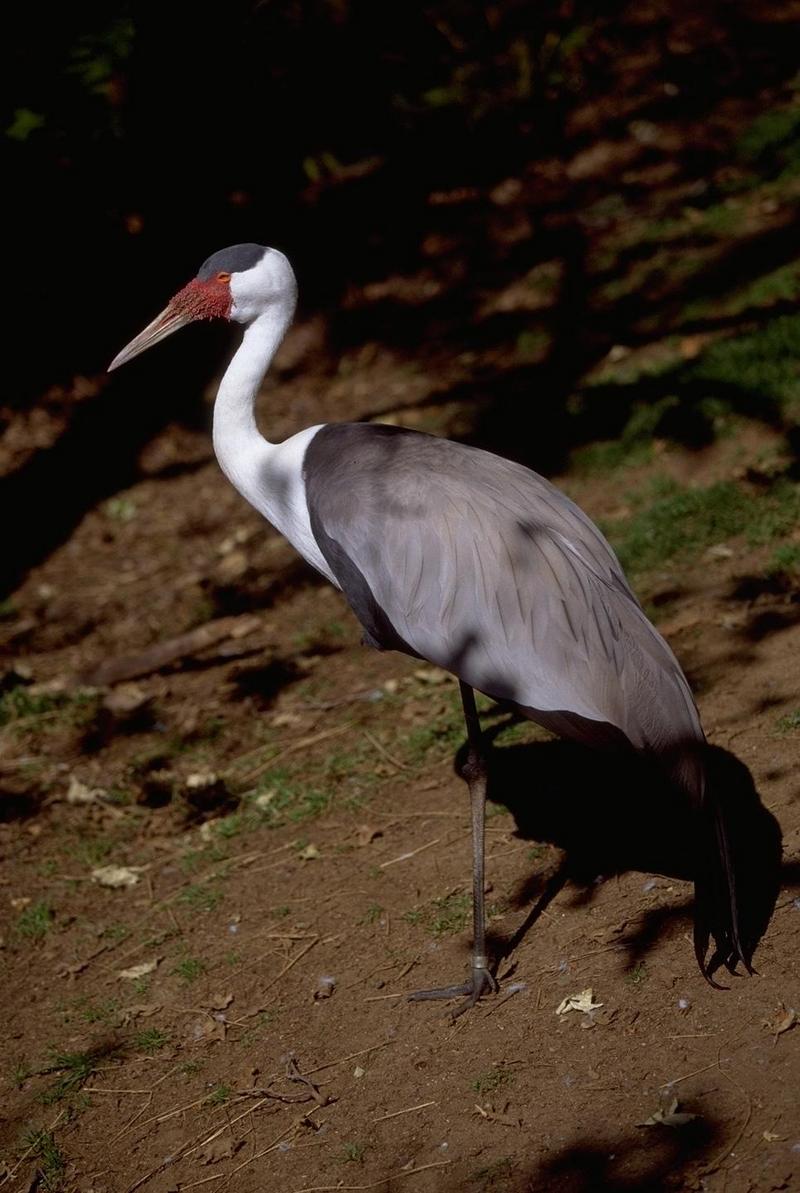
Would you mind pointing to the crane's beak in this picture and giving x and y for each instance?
(171, 319)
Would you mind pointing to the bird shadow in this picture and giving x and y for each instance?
(629, 1162)
(614, 812)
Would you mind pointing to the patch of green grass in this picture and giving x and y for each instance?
(192, 860)
(450, 914)
(320, 637)
(533, 345)
(150, 1040)
(521, 732)
(219, 1095)
(116, 932)
(444, 733)
(345, 764)
(231, 826)
(101, 1012)
(781, 285)
(536, 853)
(257, 1030)
(120, 509)
(75, 1069)
(638, 975)
(201, 896)
(189, 969)
(679, 522)
(191, 1067)
(52, 1165)
(20, 702)
(445, 915)
(290, 799)
(773, 133)
(8, 610)
(789, 723)
(722, 219)
(607, 455)
(785, 561)
(120, 797)
(353, 1153)
(20, 1072)
(493, 810)
(33, 922)
(765, 362)
(492, 1079)
(90, 851)
(373, 914)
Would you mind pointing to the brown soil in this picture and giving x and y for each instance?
(186, 1077)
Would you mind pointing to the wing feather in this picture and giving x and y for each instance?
(482, 567)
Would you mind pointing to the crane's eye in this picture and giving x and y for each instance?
(223, 277)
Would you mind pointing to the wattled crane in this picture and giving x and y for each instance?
(472, 562)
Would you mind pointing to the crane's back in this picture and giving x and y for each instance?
(480, 565)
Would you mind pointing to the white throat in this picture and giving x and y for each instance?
(268, 475)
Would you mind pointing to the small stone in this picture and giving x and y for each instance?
(325, 987)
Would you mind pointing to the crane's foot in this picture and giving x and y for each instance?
(481, 982)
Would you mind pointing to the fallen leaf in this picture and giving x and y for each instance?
(772, 1137)
(309, 854)
(221, 1002)
(264, 800)
(367, 834)
(78, 792)
(783, 1020)
(232, 566)
(219, 1149)
(579, 1002)
(245, 625)
(668, 1114)
(125, 699)
(139, 971)
(201, 779)
(494, 1116)
(116, 876)
(143, 1009)
(286, 720)
(208, 1029)
(358, 1071)
(432, 675)
(20, 902)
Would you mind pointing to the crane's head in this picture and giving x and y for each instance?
(237, 283)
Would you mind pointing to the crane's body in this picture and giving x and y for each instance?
(467, 560)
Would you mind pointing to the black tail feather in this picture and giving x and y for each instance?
(716, 896)
(736, 867)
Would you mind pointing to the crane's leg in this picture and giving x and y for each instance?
(481, 981)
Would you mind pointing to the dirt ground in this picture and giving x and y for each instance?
(284, 805)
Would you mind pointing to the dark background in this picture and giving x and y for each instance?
(449, 145)
(141, 137)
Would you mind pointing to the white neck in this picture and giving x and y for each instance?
(239, 445)
(268, 475)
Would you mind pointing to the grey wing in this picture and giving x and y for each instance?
(482, 567)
